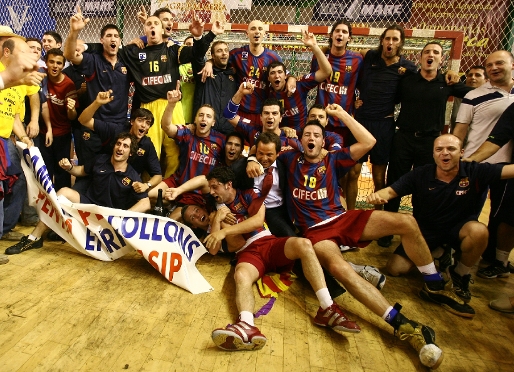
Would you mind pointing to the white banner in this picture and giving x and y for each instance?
(208, 11)
(107, 234)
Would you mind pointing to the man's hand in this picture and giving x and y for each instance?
(103, 98)
(212, 240)
(218, 28)
(33, 78)
(70, 104)
(291, 85)
(77, 21)
(138, 42)
(289, 132)
(33, 129)
(308, 39)
(196, 27)
(452, 77)
(49, 138)
(172, 193)
(140, 187)
(254, 169)
(246, 88)
(174, 96)
(334, 109)
(375, 199)
(142, 15)
(358, 103)
(207, 71)
(65, 164)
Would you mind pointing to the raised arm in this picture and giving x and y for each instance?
(230, 112)
(86, 118)
(77, 23)
(173, 96)
(325, 69)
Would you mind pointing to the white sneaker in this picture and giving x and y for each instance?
(345, 248)
(370, 274)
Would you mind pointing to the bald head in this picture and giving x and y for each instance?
(448, 138)
(13, 46)
(499, 66)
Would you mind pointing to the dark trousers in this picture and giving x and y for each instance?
(408, 151)
(60, 148)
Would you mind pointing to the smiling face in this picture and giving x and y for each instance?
(339, 38)
(319, 115)
(220, 54)
(111, 41)
(312, 142)
(499, 66)
(431, 56)
(204, 121)
(256, 32)
(266, 154)
(49, 43)
(139, 127)
(270, 118)
(277, 78)
(197, 217)
(153, 30)
(447, 152)
(55, 64)
(121, 151)
(233, 149)
(391, 44)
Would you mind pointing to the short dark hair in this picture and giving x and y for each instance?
(273, 102)
(34, 39)
(477, 67)
(222, 174)
(142, 113)
(236, 134)
(276, 64)
(159, 11)
(334, 26)
(133, 142)
(318, 106)
(433, 42)
(108, 26)
(316, 123)
(9, 44)
(206, 105)
(55, 35)
(189, 37)
(55, 52)
(393, 27)
(266, 138)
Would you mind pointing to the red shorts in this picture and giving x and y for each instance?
(344, 230)
(187, 198)
(267, 255)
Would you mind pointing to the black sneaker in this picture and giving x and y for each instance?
(421, 338)
(441, 293)
(54, 237)
(385, 241)
(496, 270)
(24, 245)
(460, 284)
(446, 260)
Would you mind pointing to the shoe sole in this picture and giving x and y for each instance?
(506, 311)
(426, 296)
(439, 361)
(230, 341)
(504, 275)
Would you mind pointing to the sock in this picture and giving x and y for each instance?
(390, 314)
(32, 237)
(462, 269)
(430, 273)
(324, 298)
(247, 316)
(502, 256)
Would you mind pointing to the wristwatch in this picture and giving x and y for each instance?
(149, 185)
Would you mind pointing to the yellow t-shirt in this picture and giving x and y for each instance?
(13, 103)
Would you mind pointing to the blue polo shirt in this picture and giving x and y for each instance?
(146, 157)
(100, 77)
(437, 205)
(109, 188)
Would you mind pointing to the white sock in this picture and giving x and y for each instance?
(32, 237)
(388, 310)
(462, 269)
(324, 298)
(247, 316)
(502, 256)
(428, 269)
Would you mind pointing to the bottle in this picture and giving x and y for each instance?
(158, 209)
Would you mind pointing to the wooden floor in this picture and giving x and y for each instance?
(63, 311)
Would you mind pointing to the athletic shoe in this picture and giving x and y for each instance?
(239, 336)
(370, 274)
(421, 338)
(460, 284)
(14, 236)
(441, 293)
(502, 304)
(496, 270)
(24, 245)
(334, 317)
(54, 237)
(446, 260)
(345, 248)
(385, 241)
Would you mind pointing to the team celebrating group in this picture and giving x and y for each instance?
(294, 195)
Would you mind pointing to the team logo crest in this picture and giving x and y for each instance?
(322, 170)
(245, 55)
(86, 136)
(126, 181)
(348, 69)
(402, 70)
(142, 56)
(140, 152)
(230, 77)
(214, 147)
(164, 58)
(464, 182)
(124, 70)
(239, 207)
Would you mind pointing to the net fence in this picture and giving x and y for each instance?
(486, 25)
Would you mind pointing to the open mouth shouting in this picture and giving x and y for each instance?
(430, 61)
(310, 146)
(389, 48)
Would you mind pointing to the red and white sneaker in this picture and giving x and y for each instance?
(239, 336)
(334, 317)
